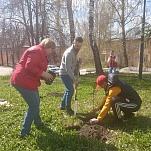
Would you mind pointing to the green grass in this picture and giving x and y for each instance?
(133, 135)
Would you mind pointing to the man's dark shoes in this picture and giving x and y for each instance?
(70, 112)
(40, 125)
(62, 108)
(127, 116)
(23, 136)
(117, 122)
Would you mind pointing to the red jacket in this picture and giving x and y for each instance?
(112, 61)
(30, 67)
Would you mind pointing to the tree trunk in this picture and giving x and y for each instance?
(71, 21)
(37, 24)
(25, 23)
(94, 47)
(7, 62)
(30, 22)
(1, 52)
(43, 26)
(13, 54)
(123, 36)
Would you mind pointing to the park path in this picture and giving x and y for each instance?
(4, 71)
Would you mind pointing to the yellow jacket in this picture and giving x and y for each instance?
(105, 103)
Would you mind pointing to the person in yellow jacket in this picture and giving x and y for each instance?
(119, 95)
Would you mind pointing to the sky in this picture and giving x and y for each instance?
(82, 8)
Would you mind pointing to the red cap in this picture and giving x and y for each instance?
(100, 80)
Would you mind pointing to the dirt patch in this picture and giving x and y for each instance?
(54, 94)
(94, 132)
(89, 131)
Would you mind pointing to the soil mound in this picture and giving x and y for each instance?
(93, 132)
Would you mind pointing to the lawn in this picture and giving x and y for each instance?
(133, 135)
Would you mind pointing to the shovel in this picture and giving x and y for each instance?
(75, 90)
(75, 102)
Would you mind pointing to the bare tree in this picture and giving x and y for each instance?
(71, 20)
(103, 28)
(124, 15)
(93, 44)
(38, 19)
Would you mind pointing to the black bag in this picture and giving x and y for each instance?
(49, 82)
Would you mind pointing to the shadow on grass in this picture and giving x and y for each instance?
(68, 141)
(85, 117)
(141, 123)
(137, 123)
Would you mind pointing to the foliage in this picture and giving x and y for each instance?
(135, 134)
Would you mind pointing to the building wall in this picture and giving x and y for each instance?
(12, 53)
(133, 52)
(55, 58)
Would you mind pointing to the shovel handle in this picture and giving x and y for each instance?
(75, 94)
(75, 102)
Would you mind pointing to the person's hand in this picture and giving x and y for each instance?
(80, 60)
(47, 76)
(75, 84)
(93, 121)
(95, 109)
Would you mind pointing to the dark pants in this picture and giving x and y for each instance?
(119, 104)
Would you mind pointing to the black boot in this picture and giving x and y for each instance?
(127, 115)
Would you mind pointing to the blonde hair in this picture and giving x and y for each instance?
(47, 43)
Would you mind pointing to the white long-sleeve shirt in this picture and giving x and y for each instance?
(68, 63)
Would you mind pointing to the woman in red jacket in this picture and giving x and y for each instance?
(26, 79)
(112, 60)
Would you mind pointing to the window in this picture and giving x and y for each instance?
(135, 58)
(136, 46)
(146, 58)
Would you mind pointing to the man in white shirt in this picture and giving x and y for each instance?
(67, 67)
